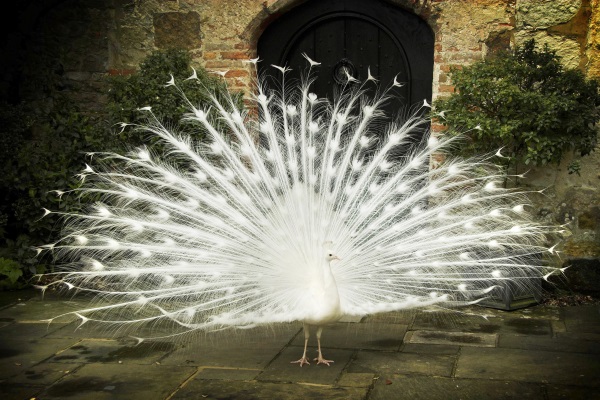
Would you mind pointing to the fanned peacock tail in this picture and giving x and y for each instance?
(230, 233)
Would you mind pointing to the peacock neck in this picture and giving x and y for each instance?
(328, 278)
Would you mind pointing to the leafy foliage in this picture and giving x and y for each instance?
(11, 270)
(147, 88)
(42, 153)
(43, 149)
(527, 103)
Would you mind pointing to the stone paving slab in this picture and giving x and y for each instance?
(20, 354)
(403, 363)
(11, 297)
(358, 336)
(29, 331)
(529, 366)
(44, 373)
(541, 352)
(247, 349)
(114, 351)
(507, 323)
(97, 330)
(87, 331)
(401, 387)
(37, 310)
(582, 319)
(281, 369)
(357, 379)
(118, 381)
(16, 391)
(459, 338)
(405, 317)
(430, 348)
(584, 336)
(227, 374)
(560, 392)
(560, 343)
(200, 389)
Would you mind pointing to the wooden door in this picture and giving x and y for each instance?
(353, 35)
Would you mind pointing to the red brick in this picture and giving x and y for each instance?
(237, 73)
(234, 55)
(446, 88)
(209, 55)
(221, 64)
(437, 127)
(242, 46)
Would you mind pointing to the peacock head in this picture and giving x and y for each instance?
(330, 257)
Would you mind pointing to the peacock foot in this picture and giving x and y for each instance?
(321, 360)
(301, 361)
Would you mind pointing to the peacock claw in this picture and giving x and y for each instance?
(301, 361)
(321, 360)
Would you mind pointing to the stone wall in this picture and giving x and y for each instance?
(98, 38)
(113, 36)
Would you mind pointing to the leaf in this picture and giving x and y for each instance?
(11, 269)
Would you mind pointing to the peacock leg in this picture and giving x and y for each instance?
(304, 360)
(320, 359)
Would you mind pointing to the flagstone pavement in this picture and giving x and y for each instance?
(541, 352)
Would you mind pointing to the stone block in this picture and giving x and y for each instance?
(589, 219)
(567, 48)
(177, 30)
(545, 13)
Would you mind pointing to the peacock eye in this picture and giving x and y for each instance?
(330, 255)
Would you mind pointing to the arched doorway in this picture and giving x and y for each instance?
(354, 35)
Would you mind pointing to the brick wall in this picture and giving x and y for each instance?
(113, 36)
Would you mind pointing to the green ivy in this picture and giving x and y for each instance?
(526, 102)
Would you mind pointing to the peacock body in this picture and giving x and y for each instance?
(308, 212)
